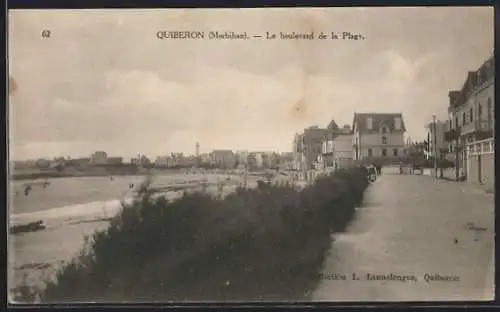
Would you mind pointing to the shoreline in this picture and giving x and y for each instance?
(81, 174)
(55, 175)
(84, 174)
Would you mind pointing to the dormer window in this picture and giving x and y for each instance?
(369, 123)
(397, 123)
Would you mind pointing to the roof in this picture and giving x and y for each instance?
(378, 119)
(223, 151)
(332, 125)
(473, 80)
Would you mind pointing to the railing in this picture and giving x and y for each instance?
(478, 125)
(481, 147)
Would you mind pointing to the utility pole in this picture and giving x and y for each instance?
(245, 175)
(435, 144)
(457, 156)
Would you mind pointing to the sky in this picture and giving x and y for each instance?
(103, 81)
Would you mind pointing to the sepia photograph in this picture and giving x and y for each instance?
(251, 155)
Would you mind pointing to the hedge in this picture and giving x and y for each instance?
(267, 243)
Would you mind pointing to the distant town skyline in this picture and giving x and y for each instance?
(104, 82)
(127, 158)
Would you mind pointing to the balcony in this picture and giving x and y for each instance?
(476, 126)
(481, 147)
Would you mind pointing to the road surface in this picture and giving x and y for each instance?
(414, 226)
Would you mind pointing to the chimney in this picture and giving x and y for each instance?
(472, 79)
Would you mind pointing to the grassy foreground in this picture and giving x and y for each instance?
(260, 244)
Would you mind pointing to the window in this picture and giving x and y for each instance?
(383, 129)
(395, 152)
(471, 115)
(384, 152)
(370, 152)
(464, 120)
(450, 126)
(384, 140)
(369, 123)
(479, 111)
(456, 122)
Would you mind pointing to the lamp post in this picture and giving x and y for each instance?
(434, 144)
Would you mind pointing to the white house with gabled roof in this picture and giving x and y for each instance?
(378, 137)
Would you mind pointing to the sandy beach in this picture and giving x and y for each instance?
(71, 216)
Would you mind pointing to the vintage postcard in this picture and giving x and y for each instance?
(251, 155)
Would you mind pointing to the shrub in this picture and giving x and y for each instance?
(255, 244)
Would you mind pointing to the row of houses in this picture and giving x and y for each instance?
(227, 159)
(372, 137)
(468, 134)
(97, 158)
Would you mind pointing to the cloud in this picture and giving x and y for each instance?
(105, 82)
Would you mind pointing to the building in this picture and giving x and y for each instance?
(161, 161)
(252, 161)
(259, 160)
(79, 162)
(99, 158)
(437, 145)
(43, 163)
(471, 120)
(206, 159)
(242, 158)
(186, 161)
(25, 164)
(285, 161)
(266, 160)
(297, 150)
(224, 159)
(338, 150)
(378, 137)
(309, 146)
(141, 161)
(115, 160)
(176, 160)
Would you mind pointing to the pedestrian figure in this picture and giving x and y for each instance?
(27, 190)
(378, 167)
(372, 173)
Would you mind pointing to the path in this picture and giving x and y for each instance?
(415, 225)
